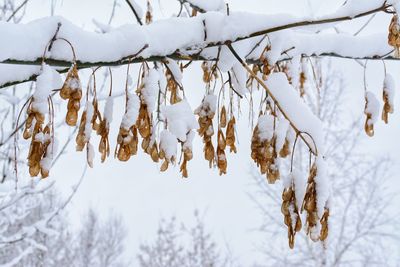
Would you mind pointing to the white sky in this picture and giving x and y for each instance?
(142, 195)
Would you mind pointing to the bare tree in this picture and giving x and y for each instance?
(177, 245)
(99, 242)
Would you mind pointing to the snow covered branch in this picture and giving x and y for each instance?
(116, 47)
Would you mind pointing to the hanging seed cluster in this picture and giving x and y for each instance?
(127, 140)
(72, 91)
(206, 113)
(263, 147)
(291, 213)
(314, 230)
(39, 125)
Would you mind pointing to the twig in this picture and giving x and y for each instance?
(197, 8)
(138, 19)
(17, 10)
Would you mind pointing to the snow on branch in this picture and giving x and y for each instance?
(202, 35)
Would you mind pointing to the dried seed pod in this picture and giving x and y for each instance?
(303, 80)
(144, 122)
(88, 117)
(127, 140)
(172, 87)
(29, 124)
(221, 140)
(222, 120)
(149, 13)
(222, 163)
(263, 150)
(388, 97)
(187, 153)
(310, 205)
(40, 154)
(371, 111)
(206, 113)
(72, 90)
(35, 155)
(104, 129)
(230, 135)
(285, 151)
(394, 35)
(164, 165)
(187, 156)
(167, 148)
(80, 137)
(324, 225)
(207, 76)
(72, 117)
(104, 145)
(291, 214)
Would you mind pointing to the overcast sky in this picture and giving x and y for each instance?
(142, 195)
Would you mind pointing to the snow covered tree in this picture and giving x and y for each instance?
(180, 245)
(244, 56)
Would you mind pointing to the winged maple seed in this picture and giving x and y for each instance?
(164, 155)
(291, 214)
(222, 120)
(173, 87)
(207, 76)
(187, 156)
(371, 110)
(104, 145)
(230, 135)
(209, 72)
(149, 13)
(387, 107)
(127, 143)
(388, 95)
(394, 35)
(303, 80)
(72, 90)
(81, 139)
(222, 163)
(324, 225)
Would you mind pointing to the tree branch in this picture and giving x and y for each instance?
(138, 19)
(189, 53)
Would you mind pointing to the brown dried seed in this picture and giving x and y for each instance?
(164, 166)
(71, 117)
(230, 135)
(222, 120)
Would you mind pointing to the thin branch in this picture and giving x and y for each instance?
(365, 24)
(17, 10)
(138, 19)
(195, 7)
